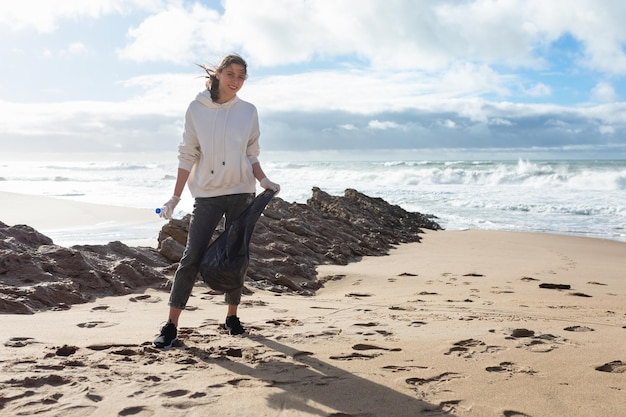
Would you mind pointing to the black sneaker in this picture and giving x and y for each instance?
(167, 337)
(234, 326)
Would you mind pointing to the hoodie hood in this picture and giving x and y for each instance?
(204, 97)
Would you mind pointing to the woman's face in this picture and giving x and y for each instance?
(231, 80)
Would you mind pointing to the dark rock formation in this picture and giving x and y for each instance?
(291, 239)
(37, 274)
(289, 242)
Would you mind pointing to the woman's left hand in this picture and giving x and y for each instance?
(269, 185)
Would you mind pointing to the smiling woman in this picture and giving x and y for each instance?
(218, 159)
(225, 81)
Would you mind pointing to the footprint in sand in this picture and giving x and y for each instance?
(542, 343)
(353, 356)
(66, 350)
(580, 294)
(462, 348)
(370, 324)
(18, 342)
(94, 397)
(254, 303)
(437, 379)
(528, 279)
(175, 393)
(106, 308)
(615, 367)
(126, 352)
(363, 346)
(358, 295)
(39, 381)
(510, 368)
(92, 324)
(402, 368)
(467, 348)
(106, 346)
(249, 383)
(578, 329)
(285, 322)
(137, 411)
(146, 298)
(402, 308)
(513, 413)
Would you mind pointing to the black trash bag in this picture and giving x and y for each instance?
(225, 262)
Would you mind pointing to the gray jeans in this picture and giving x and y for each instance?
(207, 213)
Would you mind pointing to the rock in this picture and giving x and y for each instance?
(171, 248)
(289, 242)
(555, 286)
(36, 274)
(518, 333)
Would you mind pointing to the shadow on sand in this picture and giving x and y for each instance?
(308, 383)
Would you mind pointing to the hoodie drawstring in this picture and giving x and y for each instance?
(223, 156)
(224, 136)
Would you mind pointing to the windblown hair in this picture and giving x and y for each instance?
(212, 83)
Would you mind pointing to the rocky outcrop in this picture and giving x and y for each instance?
(289, 242)
(36, 274)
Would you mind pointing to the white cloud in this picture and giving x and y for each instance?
(76, 48)
(399, 35)
(177, 35)
(607, 130)
(497, 121)
(604, 92)
(538, 90)
(385, 125)
(450, 124)
(406, 69)
(45, 15)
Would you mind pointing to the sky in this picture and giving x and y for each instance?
(343, 79)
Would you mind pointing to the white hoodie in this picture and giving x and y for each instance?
(220, 144)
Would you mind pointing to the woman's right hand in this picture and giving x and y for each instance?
(168, 208)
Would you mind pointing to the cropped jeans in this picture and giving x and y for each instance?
(207, 213)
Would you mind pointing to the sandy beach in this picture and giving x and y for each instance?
(464, 323)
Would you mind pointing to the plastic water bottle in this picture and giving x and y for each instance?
(158, 210)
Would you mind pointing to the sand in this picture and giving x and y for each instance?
(456, 325)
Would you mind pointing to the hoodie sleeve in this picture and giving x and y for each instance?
(253, 150)
(189, 147)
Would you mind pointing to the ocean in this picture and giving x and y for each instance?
(581, 198)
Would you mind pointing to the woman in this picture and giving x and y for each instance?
(218, 159)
